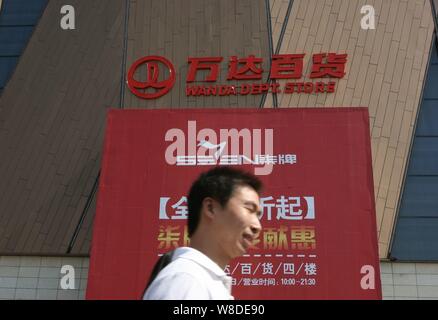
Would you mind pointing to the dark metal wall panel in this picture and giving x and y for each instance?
(52, 117)
(414, 247)
(427, 118)
(420, 198)
(416, 233)
(21, 12)
(14, 39)
(430, 91)
(424, 159)
(17, 22)
(7, 65)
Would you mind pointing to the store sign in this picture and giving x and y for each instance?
(203, 73)
(319, 238)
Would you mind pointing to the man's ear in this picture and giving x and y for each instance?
(209, 205)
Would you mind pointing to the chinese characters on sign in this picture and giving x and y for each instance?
(280, 240)
(259, 159)
(207, 69)
(284, 67)
(268, 273)
(286, 208)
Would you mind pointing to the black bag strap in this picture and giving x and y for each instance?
(161, 263)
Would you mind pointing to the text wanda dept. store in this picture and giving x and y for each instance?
(59, 76)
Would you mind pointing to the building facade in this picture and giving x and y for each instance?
(57, 83)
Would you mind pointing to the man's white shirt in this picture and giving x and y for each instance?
(190, 276)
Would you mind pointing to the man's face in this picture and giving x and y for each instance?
(237, 224)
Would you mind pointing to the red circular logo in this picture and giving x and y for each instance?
(140, 88)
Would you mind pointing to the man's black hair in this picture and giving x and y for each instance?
(218, 183)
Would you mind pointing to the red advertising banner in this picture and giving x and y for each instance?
(319, 237)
